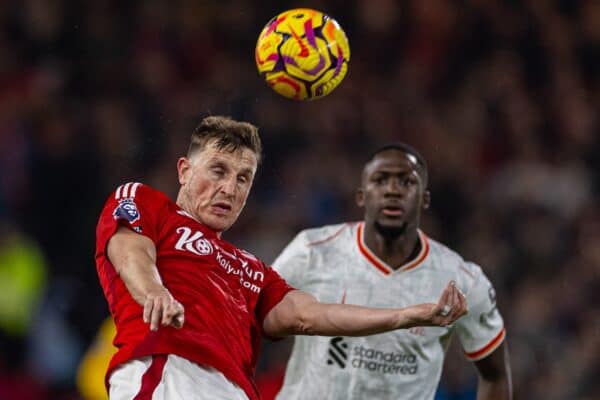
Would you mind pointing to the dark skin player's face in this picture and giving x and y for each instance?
(393, 191)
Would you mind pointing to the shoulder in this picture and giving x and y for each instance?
(132, 199)
(137, 190)
(314, 237)
(443, 254)
(445, 258)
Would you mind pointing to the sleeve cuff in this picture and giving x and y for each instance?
(488, 348)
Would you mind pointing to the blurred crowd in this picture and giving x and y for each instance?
(501, 97)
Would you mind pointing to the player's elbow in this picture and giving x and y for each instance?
(304, 324)
(297, 314)
(298, 321)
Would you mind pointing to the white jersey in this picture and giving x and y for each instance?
(334, 264)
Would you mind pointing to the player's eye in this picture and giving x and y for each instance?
(218, 171)
(410, 181)
(380, 179)
(242, 179)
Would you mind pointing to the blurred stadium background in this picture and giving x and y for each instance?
(501, 96)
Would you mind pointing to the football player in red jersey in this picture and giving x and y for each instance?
(189, 307)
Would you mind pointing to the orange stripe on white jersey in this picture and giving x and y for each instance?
(488, 348)
(381, 265)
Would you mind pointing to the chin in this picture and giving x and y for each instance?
(391, 222)
(219, 227)
(216, 224)
(391, 229)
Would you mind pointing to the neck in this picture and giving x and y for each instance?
(181, 201)
(394, 251)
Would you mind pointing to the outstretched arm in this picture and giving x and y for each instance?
(494, 376)
(134, 257)
(299, 313)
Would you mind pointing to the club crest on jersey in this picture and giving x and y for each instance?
(127, 210)
(193, 242)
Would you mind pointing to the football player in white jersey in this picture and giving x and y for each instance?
(387, 261)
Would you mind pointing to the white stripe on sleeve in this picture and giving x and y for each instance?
(134, 189)
(126, 190)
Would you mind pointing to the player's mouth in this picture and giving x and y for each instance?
(393, 211)
(221, 208)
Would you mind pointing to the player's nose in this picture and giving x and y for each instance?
(229, 186)
(394, 188)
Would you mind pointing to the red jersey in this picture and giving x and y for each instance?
(226, 292)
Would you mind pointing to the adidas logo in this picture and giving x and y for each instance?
(338, 352)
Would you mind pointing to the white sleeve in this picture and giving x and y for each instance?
(481, 331)
(293, 262)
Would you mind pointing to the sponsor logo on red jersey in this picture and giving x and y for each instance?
(193, 242)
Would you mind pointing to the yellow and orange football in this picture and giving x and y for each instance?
(302, 54)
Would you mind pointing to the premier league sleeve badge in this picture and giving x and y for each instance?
(126, 209)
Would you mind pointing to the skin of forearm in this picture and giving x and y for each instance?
(140, 276)
(350, 320)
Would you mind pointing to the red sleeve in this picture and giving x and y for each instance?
(135, 206)
(273, 291)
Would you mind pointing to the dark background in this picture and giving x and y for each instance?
(501, 97)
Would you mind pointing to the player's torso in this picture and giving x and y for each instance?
(384, 366)
(219, 286)
(199, 266)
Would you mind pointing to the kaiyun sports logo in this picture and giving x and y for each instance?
(360, 357)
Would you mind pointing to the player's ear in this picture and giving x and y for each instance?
(360, 197)
(426, 199)
(183, 168)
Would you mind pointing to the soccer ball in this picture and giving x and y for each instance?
(303, 54)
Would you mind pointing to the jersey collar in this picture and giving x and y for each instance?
(381, 265)
(207, 229)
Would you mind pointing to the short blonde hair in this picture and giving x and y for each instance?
(227, 133)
